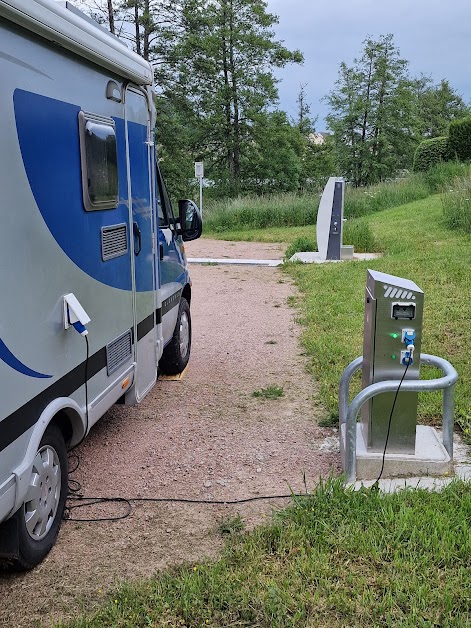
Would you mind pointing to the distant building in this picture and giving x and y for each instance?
(318, 138)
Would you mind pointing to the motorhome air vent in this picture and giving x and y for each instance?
(118, 352)
(114, 241)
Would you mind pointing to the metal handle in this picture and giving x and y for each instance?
(348, 413)
(137, 234)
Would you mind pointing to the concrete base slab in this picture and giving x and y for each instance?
(430, 458)
(250, 262)
(315, 258)
(347, 252)
(400, 484)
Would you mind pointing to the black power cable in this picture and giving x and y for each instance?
(87, 422)
(75, 487)
(390, 421)
(128, 501)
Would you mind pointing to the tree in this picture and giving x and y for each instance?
(304, 122)
(102, 11)
(318, 163)
(437, 106)
(372, 114)
(176, 142)
(152, 24)
(226, 55)
(272, 162)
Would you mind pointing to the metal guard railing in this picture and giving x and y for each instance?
(348, 413)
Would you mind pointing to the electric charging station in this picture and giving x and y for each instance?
(330, 221)
(388, 438)
(392, 337)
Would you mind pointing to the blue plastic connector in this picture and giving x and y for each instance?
(82, 330)
(407, 358)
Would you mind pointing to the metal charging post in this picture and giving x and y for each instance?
(348, 413)
(393, 323)
(330, 220)
(388, 437)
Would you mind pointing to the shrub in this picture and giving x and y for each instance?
(359, 233)
(460, 138)
(431, 152)
(300, 245)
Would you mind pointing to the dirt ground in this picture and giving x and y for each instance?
(204, 437)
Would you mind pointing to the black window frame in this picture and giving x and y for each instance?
(113, 200)
(164, 199)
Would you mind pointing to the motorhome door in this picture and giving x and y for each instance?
(172, 263)
(142, 233)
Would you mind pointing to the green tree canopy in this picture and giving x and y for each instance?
(226, 56)
(437, 106)
(372, 113)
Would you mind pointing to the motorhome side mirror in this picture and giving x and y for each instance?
(189, 217)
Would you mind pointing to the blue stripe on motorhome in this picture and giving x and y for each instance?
(48, 135)
(7, 356)
(22, 419)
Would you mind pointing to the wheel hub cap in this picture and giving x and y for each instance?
(184, 334)
(43, 495)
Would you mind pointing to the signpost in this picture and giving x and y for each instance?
(199, 174)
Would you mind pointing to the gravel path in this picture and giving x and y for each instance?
(204, 437)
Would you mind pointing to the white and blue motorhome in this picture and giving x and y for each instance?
(94, 280)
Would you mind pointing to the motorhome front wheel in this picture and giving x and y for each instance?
(177, 353)
(39, 519)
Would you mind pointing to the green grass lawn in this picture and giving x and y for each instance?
(335, 558)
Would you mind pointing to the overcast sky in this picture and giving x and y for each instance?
(433, 35)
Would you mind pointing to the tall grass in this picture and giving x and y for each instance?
(439, 177)
(457, 205)
(296, 210)
(364, 201)
(258, 212)
(359, 233)
(415, 187)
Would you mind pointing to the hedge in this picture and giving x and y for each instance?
(460, 138)
(431, 152)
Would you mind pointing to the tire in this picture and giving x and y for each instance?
(177, 353)
(39, 518)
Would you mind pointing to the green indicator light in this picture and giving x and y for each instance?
(394, 336)
(393, 356)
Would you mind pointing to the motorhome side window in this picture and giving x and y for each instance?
(99, 161)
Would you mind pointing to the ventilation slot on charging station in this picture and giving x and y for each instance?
(118, 352)
(114, 241)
